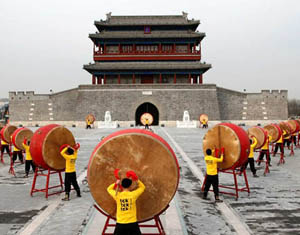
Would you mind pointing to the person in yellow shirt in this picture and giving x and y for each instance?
(212, 177)
(17, 153)
(126, 206)
(279, 144)
(70, 154)
(253, 143)
(146, 123)
(204, 124)
(28, 159)
(88, 124)
(265, 151)
(4, 147)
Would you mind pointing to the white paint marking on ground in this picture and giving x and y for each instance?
(229, 214)
(30, 228)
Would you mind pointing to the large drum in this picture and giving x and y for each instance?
(45, 145)
(6, 132)
(294, 126)
(260, 134)
(19, 135)
(90, 118)
(146, 116)
(285, 126)
(235, 141)
(203, 117)
(145, 153)
(274, 131)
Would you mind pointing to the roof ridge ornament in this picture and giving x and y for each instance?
(185, 14)
(108, 16)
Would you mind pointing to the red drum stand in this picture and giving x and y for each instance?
(234, 172)
(40, 172)
(157, 224)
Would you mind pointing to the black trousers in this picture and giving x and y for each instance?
(214, 181)
(279, 145)
(251, 163)
(3, 148)
(263, 153)
(294, 139)
(286, 141)
(17, 153)
(127, 229)
(70, 178)
(146, 126)
(29, 163)
(88, 127)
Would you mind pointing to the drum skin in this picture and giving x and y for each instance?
(6, 132)
(91, 118)
(149, 156)
(284, 126)
(45, 144)
(294, 125)
(148, 116)
(19, 135)
(235, 141)
(203, 117)
(274, 131)
(260, 134)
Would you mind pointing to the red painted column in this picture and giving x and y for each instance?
(189, 48)
(160, 78)
(201, 79)
(159, 48)
(133, 78)
(174, 77)
(190, 78)
(104, 81)
(119, 48)
(134, 48)
(119, 79)
(98, 80)
(93, 80)
(174, 48)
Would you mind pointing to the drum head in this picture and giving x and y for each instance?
(149, 156)
(24, 133)
(285, 127)
(7, 133)
(273, 131)
(259, 134)
(90, 118)
(203, 117)
(294, 126)
(146, 116)
(52, 143)
(223, 136)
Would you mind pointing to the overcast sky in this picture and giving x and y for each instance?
(251, 44)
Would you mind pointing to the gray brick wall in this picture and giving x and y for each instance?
(171, 101)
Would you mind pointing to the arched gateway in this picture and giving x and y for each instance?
(146, 108)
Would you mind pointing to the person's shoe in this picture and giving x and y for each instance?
(255, 176)
(25, 176)
(270, 164)
(218, 199)
(66, 198)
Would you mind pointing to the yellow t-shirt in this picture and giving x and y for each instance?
(126, 203)
(266, 145)
(3, 142)
(212, 164)
(147, 122)
(70, 160)
(28, 155)
(280, 141)
(252, 146)
(15, 149)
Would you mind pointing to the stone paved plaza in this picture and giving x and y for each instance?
(273, 206)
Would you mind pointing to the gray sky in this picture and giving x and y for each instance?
(251, 44)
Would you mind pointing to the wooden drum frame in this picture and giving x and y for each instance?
(147, 154)
(45, 145)
(235, 141)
